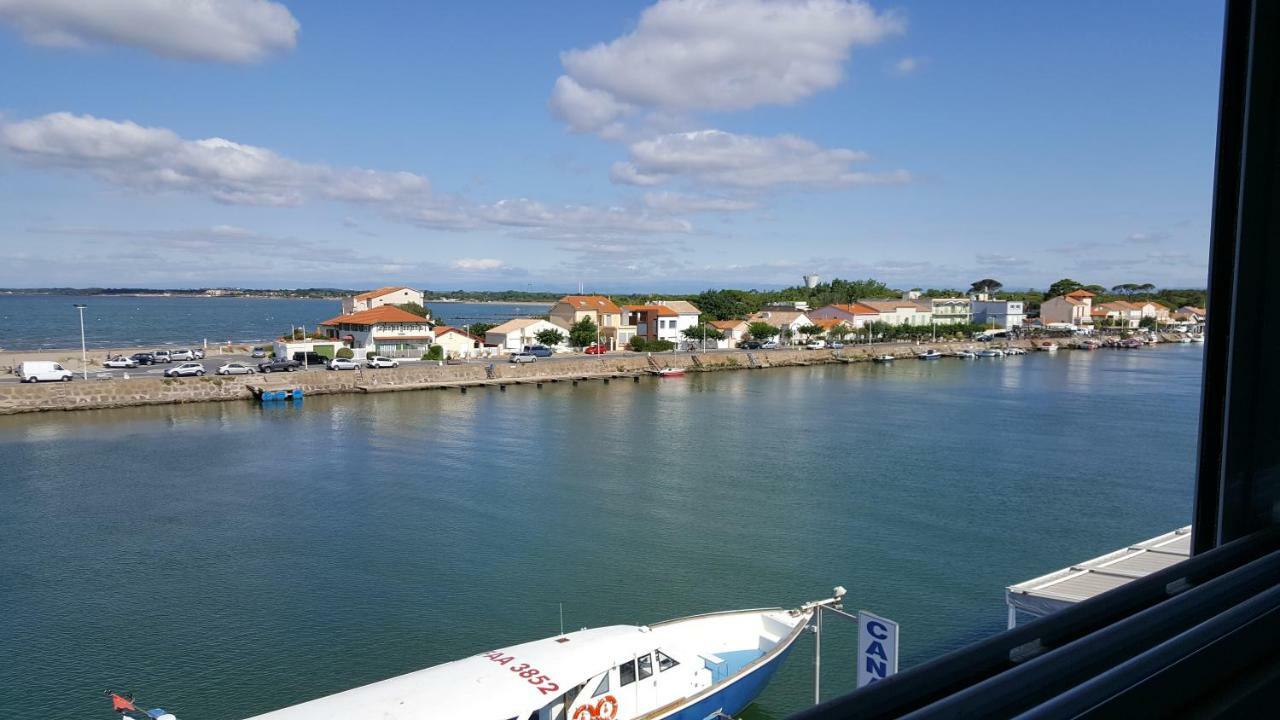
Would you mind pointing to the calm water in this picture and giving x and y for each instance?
(223, 560)
(49, 321)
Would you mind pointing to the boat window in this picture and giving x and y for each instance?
(665, 662)
(626, 673)
(646, 665)
(603, 687)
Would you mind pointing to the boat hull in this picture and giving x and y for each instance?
(732, 696)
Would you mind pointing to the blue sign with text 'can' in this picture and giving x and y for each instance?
(877, 648)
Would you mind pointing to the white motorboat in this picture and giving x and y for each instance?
(693, 668)
(963, 354)
(1014, 351)
(669, 372)
(991, 353)
(883, 358)
(1196, 337)
(1049, 347)
(929, 354)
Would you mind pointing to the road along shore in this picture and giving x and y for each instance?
(98, 394)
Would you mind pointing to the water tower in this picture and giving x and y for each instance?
(811, 281)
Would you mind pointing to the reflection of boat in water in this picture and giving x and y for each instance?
(883, 358)
(991, 352)
(698, 667)
(929, 354)
(669, 372)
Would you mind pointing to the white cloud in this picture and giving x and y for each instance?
(682, 203)
(155, 159)
(572, 221)
(715, 157)
(999, 260)
(719, 55)
(478, 264)
(907, 65)
(238, 31)
(587, 110)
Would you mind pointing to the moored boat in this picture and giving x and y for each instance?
(883, 358)
(1014, 351)
(1196, 337)
(669, 372)
(991, 353)
(963, 354)
(1048, 346)
(704, 666)
(929, 354)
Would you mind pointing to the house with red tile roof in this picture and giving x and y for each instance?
(855, 315)
(390, 295)
(663, 320)
(1074, 308)
(385, 330)
(615, 331)
(458, 343)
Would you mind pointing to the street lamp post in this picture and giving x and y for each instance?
(84, 353)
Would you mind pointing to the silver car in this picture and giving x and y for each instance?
(523, 357)
(377, 361)
(177, 355)
(185, 370)
(120, 361)
(343, 364)
(235, 368)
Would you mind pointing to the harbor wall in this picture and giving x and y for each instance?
(98, 394)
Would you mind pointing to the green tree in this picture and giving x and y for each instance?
(809, 331)
(986, 285)
(761, 331)
(549, 337)
(480, 328)
(727, 304)
(345, 353)
(840, 332)
(1148, 322)
(436, 352)
(1062, 287)
(698, 332)
(414, 308)
(583, 332)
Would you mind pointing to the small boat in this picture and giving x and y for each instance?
(1185, 339)
(669, 372)
(1131, 343)
(929, 354)
(1047, 346)
(698, 667)
(883, 358)
(1089, 345)
(1196, 338)
(964, 354)
(1014, 351)
(991, 352)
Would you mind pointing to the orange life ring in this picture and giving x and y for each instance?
(613, 707)
(584, 712)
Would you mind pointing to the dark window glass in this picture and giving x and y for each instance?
(646, 665)
(603, 687)
(626, 673)
(665, 662)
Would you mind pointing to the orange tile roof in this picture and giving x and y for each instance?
(599, 303)
(1081, 293)
(855, 309)
(383, 314)
(828, 323)
(446, 329)
(381, 291)
(726, 324)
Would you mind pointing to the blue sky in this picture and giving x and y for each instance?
(665, 146)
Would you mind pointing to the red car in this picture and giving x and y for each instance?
(596, 350)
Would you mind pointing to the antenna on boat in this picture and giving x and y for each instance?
(834, 604)
(562, 618)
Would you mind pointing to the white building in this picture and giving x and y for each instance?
(513, 335)
(788, 322)
(734, 331)
(1003, 314)
(392, 295)
(457, 343)
(665, 320)
(386, 330)
(900, 312)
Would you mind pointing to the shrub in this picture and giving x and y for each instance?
(637, 344)
(369, 355)
(345, 353)
(659, 345)
(435, 353)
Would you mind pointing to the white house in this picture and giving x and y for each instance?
(1074, 308)
(1004, 314)
(392, 295)
(662, 320)
(385, 330)
(787, 321)
(513, 335)
(854, 315)
(458, 343)
(734, 331)
(900, 312)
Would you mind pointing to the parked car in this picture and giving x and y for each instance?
(258, 352)
(161, 356)
(343, 364)
(750, 345)
(185, 370)
(120, 361)
(198, 353)
(596, 349)
(34, 371)
(177, 355)
(523, 357)
(771, 345)
(815, 345)
(279, 365)
(235, 368)
(377, 361)
(143, 358)
(538, 350)
(310, 358)
(836, 345)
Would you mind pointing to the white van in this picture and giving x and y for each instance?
(43, 371)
